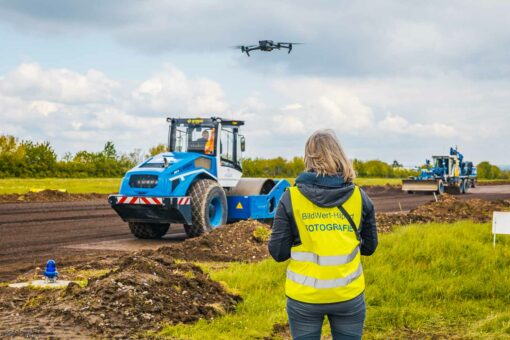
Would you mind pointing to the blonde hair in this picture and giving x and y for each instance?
(324, 155)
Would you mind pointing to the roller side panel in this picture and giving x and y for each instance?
(256, 206)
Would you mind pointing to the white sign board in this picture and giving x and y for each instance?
(500, 223)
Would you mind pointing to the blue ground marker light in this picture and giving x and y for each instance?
(51, 273)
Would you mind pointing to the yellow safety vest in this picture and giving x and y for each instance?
(326, 266)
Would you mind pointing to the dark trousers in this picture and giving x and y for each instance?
(345, 318)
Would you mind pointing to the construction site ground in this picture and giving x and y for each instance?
(85, 234)
(82, 230)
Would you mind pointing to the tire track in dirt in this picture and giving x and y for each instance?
(30, 233)
(22, 218)
(20, 209)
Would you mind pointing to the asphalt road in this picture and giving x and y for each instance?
(30, 233)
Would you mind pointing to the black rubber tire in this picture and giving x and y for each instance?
(457, 189)
(440, 186)
(202, 192)
(467, 185)
(148, 230)
(410, 192)
(462, 187)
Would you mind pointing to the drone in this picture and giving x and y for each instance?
(266, 46)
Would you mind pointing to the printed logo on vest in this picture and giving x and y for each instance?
(328, 227)
(321, 215)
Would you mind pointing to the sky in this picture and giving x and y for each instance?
(394, 79)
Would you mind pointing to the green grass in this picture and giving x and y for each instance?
(439, 279)
(377, 181)
(109, 185)
(424, 281)
(368, 181)
(495, 181)
(72, 185)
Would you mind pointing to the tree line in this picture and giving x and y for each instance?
(282, 168)
(27, 159)
(487, 170)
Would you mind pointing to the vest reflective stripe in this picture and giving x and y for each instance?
(323, 284)
(326, 266)
(324, 260)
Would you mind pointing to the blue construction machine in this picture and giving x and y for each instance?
(448, 173)
(197, 183)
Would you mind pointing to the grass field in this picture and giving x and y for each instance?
(494, 181)
(368, 181)
(111, 185)
(425, 281)
(377, 181)
(107, 185)
(73, 185)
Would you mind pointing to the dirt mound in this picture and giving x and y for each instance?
(446, 210)
(244, 241)
(494, 182)
(146, 291)
(280, 331)
(48, 196)
(382, 190)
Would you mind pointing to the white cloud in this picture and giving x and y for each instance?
(290, 107)
(30, 81)
(342, 37)
(44, 107)
(75, 110)
(171, 91)
(289, 124)
(387, 118)
(399, 125)
(322, 103)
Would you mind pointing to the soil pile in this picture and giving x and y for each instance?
(244, 241)
(446, 210)
(48, 196)
(280, 331)
(146, 291)
(383, 190)
(16, 324)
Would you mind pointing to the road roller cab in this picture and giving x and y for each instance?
(198, 182)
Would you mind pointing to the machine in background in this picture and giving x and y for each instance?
(447, 173)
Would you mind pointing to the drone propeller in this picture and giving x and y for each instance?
(287, 45)
(240, 47)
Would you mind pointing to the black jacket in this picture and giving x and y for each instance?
(325, 191)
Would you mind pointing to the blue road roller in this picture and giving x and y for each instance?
(198, 182)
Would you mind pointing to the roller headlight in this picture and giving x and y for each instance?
(143, 181)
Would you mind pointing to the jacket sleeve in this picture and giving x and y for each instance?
(282, 235)
(368, 230)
